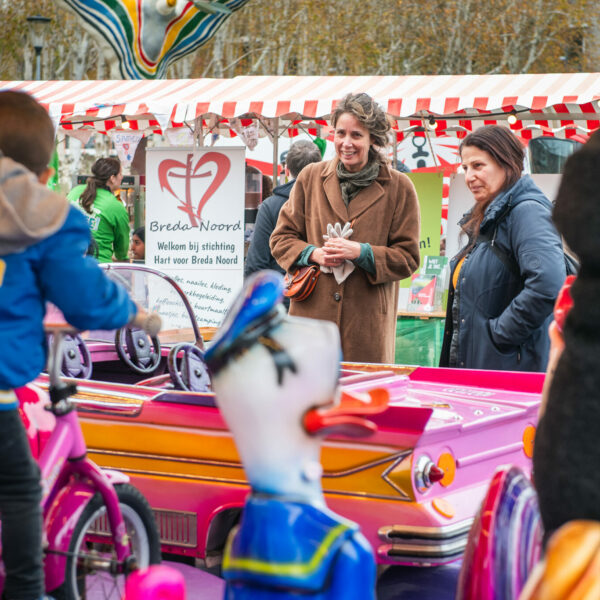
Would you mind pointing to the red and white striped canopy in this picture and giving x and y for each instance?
(549, 103)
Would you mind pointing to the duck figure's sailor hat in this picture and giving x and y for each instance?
(253, 315)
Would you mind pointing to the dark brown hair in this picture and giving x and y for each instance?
(102, 170)
(267, 187)
(26, 131)
(508, 153)
(301, 153)
(371, 116)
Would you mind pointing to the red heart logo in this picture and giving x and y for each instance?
(174, 168)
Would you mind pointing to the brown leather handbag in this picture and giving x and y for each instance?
(300, 284)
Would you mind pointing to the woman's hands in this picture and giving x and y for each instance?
(335, 251)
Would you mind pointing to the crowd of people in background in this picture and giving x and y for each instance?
(358, 220)
(504, 279)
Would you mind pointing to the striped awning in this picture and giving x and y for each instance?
(550, 104)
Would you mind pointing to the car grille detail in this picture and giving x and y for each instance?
(177, 528)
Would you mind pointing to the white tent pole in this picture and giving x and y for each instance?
(275, 149)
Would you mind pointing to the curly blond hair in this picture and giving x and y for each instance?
(371, 116)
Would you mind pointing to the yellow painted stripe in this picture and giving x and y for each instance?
(175, 31)
(170, 37)
(286, 569)
(7, 397)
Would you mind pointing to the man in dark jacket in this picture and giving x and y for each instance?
(259, 256)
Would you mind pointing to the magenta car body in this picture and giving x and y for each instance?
(414, 486)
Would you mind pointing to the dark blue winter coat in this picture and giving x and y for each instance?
(496, 319)
(259, 253)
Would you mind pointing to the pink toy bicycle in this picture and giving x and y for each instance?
(97, 527)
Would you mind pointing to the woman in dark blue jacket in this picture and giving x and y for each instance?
(506, 278)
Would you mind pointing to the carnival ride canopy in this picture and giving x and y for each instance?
(557, 104)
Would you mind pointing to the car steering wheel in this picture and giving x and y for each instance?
(139, 351)
(76, 360)
(188, 371)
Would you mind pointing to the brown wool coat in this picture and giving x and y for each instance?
(386, 215)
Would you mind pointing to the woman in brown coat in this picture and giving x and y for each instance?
(358, 287)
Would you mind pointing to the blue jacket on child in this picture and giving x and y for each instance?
(43, 241)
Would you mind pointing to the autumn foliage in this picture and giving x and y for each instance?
(354, 37)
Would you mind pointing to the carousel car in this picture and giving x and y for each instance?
(413, 486)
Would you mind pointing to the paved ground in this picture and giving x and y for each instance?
(396, 583)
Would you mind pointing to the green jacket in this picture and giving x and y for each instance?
(109, 223)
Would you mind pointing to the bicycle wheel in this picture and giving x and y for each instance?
(91, 539)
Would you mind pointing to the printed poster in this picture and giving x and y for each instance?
(429, 191)
(195, 227)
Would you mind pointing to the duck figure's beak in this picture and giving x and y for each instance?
(346, 416)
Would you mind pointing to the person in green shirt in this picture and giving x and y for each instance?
(108, 218)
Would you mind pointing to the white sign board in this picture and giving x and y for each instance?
(460, 200)
(195, 224)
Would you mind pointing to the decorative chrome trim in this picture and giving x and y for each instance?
(365, 467)
(404, 496)
(392, 532)
(424, 544)
(162, 457)
(238, 465)
(411, 551)
(96, 408)
(421, 473)
(103, 403)
(244, 482)
(369, 367)
(88, 387)
(211, 479)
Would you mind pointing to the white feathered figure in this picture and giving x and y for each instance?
(275, 381)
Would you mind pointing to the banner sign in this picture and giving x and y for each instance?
(195, 224)
(429, 191)
(126, 143)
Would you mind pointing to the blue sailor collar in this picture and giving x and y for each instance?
(295, 551)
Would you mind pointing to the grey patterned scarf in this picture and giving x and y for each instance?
(352, 183)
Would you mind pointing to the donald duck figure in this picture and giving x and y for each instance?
(275, 381)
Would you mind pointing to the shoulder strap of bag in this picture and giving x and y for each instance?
(571, 263)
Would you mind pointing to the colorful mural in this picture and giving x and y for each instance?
(148, 35)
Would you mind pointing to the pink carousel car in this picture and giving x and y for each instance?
(414, 485)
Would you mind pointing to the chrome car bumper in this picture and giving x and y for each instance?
(423, 545)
